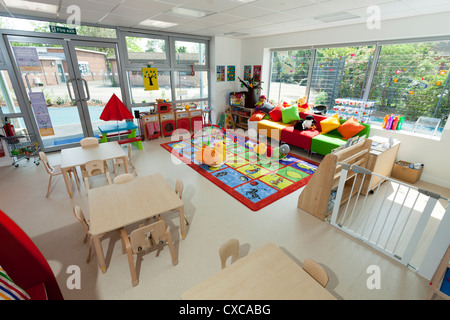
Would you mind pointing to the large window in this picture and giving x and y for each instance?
(289, 77)
(8, 100)
(189, 87)
(339, 73)
(183, 73)
(190, 53)
(409, 79)
(139, 95)
(144, 50)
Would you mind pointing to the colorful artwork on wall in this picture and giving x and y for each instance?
(247, 73)
(231, 73)
(257, 73)
(220, 73)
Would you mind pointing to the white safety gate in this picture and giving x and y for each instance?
(392, 218)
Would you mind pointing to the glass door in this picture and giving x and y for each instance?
(67, 84)
(96, 65)
(47, 75)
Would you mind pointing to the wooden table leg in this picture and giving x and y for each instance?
(125, 164)
(67, 181)
(99, 250)
(182, 223)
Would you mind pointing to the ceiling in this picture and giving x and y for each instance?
(233, 18)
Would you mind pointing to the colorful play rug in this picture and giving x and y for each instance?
(255, 180)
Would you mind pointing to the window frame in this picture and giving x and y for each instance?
(171, 66)
(376, 54)
(126, 59)
(187, 66)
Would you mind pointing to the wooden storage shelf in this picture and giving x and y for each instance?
(315, 197)
(239, 119)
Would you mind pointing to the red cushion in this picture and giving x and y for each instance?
(275, 114)
(37, 292)
(298, 138)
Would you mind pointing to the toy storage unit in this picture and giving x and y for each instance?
(196, 119)
(151, 125)
(183, 120)
(164, 107)
(167, 123)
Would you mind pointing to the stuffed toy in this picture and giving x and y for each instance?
(302, 105)
(305, 124)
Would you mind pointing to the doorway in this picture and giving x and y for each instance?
(66, 84)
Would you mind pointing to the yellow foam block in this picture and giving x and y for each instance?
(272, 129)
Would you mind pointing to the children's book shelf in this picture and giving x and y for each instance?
(315, 197)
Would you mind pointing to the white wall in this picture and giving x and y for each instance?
(435, 154)
(224, 51)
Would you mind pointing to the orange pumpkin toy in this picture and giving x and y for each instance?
(210, 156)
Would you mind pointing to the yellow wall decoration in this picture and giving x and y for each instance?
(150, 76)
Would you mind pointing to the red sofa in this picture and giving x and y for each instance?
(303, 138)
(310, 140)
(285, 131)
(24, 263)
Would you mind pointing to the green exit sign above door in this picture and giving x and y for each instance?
(57, 29)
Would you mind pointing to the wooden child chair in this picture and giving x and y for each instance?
(143, 239)
(95, 168)
(316, 271)
(229, 249)
(55, 170)
(119, 162)
(89, 142)
(179, 186)
(123, 178)
(82, 219)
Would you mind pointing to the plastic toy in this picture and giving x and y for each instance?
(260, 148)
(385, 120)
(394, 123)
(209, 156)
(389, 122)
(400, 122)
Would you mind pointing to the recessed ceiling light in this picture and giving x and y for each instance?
(157, 24)
(31, 6)
(235, 34)
(337, 16)
(189, 12)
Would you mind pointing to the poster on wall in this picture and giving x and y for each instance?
(150, 76)
(247, 73)
(27, 59)
(40, 110)
(257, 73)
(231, 73)
(220, 73)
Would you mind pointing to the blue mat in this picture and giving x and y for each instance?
(66, 141)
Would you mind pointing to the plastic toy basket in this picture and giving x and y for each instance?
(22, 147)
